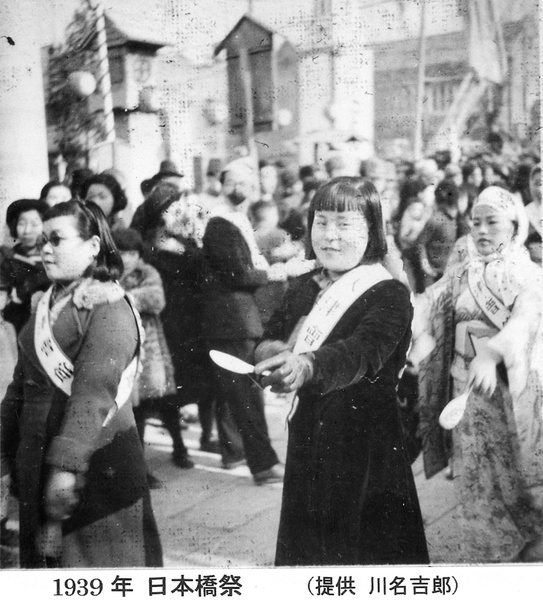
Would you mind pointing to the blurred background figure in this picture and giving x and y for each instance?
(156, 391)
(269, 182)
(77, 180)
(54, 192)
(443, 228)
(535, 215)
(21, 269)
(170, 249)
(232, 321)
(106, 192)
(336, 166)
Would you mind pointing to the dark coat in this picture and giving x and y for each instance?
(349, 495)
(41, 427)
(230, 310)
(24, 274)
(183, 277)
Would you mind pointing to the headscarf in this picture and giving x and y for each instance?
(508, 269)
(500, 200)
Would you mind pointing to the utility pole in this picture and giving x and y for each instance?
(420, 83)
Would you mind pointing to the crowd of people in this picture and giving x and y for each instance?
(353, 291)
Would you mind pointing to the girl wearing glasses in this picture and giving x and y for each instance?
(68, 436)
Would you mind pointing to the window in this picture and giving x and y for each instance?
(116, 65)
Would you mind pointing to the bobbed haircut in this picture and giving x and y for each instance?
(343, 194)
(90, 220)
(120, 201)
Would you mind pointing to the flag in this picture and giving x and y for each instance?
(486, 46)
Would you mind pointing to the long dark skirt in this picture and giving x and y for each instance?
(349, 496)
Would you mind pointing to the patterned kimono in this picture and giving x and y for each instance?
(497, 448)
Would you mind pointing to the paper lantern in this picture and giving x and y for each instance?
(82, 83)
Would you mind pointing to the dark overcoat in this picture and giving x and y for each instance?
(23, 274)
(349, 496)
(183, 276)
(230, 309)
(41, 428)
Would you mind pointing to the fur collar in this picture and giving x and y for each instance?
(89, 293)
(92, 292)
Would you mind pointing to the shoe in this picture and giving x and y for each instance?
(273, 475)
(212, 446)
(182, 461)
(232, 464)
(153, 482)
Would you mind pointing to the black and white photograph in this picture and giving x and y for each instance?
(271, 298)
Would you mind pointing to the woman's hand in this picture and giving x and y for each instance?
(61, 496)
(289, 371)
(482, 372)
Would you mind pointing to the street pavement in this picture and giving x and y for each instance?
(210, 517)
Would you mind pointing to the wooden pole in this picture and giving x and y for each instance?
(104, 79)
(418, 150)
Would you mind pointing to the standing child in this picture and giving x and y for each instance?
(156, 390)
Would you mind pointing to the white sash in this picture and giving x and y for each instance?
(332, 305)
(60, 369)
(493, 308)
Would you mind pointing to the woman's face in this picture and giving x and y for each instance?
(58, 194)
(65, 255)
(491, 230)
(101, 195)
(339, 239)
(29, 228)
(130, 260)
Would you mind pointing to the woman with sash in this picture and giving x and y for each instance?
(68, 437)
(339, 342)
(484, 322)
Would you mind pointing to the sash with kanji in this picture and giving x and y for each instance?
(493, 308)
(60, 369)
(332, 305)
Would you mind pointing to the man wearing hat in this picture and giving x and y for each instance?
(21, 269)
(167, 173)
(231, 320)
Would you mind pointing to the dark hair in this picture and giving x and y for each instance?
(78, 179)
(90, 220)
(469, 168)
(306, 171)
(352, 193)
(156, 204)
(120, 200)
(17, 208)
(49, 186)
(127, 240)
(447, 193)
